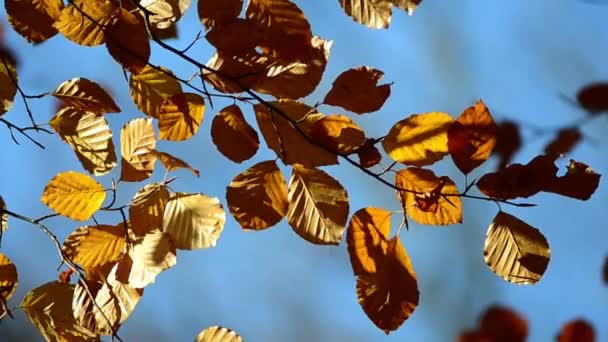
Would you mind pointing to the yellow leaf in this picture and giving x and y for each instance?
(85, 95)
(34, 19)
(137, 144)
(218, 334)
(172, 163)
(127, 41)
(516, 251)
(89, 135)
(194, 221)
(74, 195)
(95, 248)
(8, 85)
(356, 90)
(338, 133)
(151, 87)
(390, 296)
(472, 137)
(8, 279)
(367, 238)
(374, 14)
(285, 140)
(233, 136)
(147, 208)
(49, 308)
(257, 198)
(3, 217)
(214, 12)
(75, 22)
(318, 206)
(165, 13)
(424, 202)
(180, 116)
(407, 5)
(419, 140)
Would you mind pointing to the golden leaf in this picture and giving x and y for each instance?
(367, 238)
(172, 163)
(356, 90)
(49, 308)
(137, 144)
(233, 136)
(246, 69)
(218, 334)
(338, 133)
(318, 206)
(74, 195)
(165, 13)
(151, 87)
(83, 21)
(419, 140)
(216, 12)
(516, 251)
(147, 208)
(257, 198)
(472, 137)
(8, 85)
(194, 221)
(390, 296)
(180, 116)
(374, 14)
(127, 41)
(407, 5)
(95, 248)
(89, 135)
(85, 95)
(8, 280)
(34, 19)
(285, 140)
(425, 202)
(3, 217)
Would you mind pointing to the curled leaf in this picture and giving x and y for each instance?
(172, 163)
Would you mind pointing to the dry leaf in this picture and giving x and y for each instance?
(594, 97)
(194, 221)
(217, 12)
(3, 217)
(127, 41)
(338, 133)
(371, 13)
(82, 21)
(318, 206)
(8, 280)
(419, 140)
(356, 90)
(407, 5)
(151, 87)
(367, 238)
(233, 136)
(172, 163)
(563, 142)
(74, 195)
(425, 202)
(516, 251)
(369, 155)
(33, 19)
(257, 198)
(165, 13)
(237, 37)
(577, 330)
(147, 208)
(218, 334)
(180, 116)
(244, 69)
(86, 95)
(8, 85)
(508, 142)
(137, 144)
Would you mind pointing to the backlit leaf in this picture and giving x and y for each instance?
(472, 137)
(357, 90)
(89, 135)
(368, 154)
(194, 221)
(285, 140)
(180, 116)
(84, 29)
(338, 133)
(127, 41)
(233, 136)
(371, 13)
(425, 202)
(147, 208)
(151, 87)
(137, 144)
(217, 12)
(165, 13)
(564, 141)
(86, 95)
(594, 97)
(3, 216)
(172, 163)
(74, 195)
(419, 140)
(244, 69)
(257, 198)
(8, 279)
(407, 5)
(218, 334)
(33, 19)
(318, 206)
(390, 296)
(516, 251)
(577, 330)
(237, 37)
(367, 238)
(8, 86)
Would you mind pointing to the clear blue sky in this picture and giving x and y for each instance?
(272, 286)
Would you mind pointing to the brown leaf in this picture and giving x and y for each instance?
(180, 116)
(577, 331)
(147, 208)
(127, 40)
(594, 97)
(338, 133)
(172, 163)
(8, 279)
(236, 37)
(246, 69)
(137, 143)
(34, 19)
(356, 90)
(579, 182)
(8, 79)
(151, 87)
(367, 239)
(85, 95)
(233, 136)
(369, 155)
(83, 21)
(407, 5)
(565, 140)
(216, 12)
(500, 324)
(374, 14)
(508, 142)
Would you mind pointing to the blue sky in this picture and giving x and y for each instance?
(273, 286)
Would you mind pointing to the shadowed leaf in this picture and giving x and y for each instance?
(233, 136)
(356, 90)
(33, 19)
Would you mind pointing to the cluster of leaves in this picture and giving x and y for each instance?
(269, 50)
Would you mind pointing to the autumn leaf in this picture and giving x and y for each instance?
(172, 163)
(499, 324)
(8, 281)
(429, 199)
(594, 97)
(371, 13)
(180, 116)
(233, 136)
(563, 142)
(85, 95)
(137, 144)
(257, 197)
(74, 195)
(356, 90)
(218, 334)
(216, 12)
(194, 221)
(237, 37)
(368, 154)
(234, 73)
(508, 142)
(516, 251)
(472, 137)
(8, 82)
(151, 87)
(367, 239)
(165, 13)
(419, 140)
(407, 5)
(33, 20)
(127, 40)
(318, 206)
(3, 216)
(147, 208)
(338, 133)
(578, 330)
(83, 21)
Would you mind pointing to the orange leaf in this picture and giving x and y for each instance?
(214, 12)
(34, 19)
(236, 37)
(368, 154)
(180, 116)
(127, 41)
(356, 90)
(338, 133)
(172, 163)
(577, 331)
(503, 324)
(367, 239)
(233, 136)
